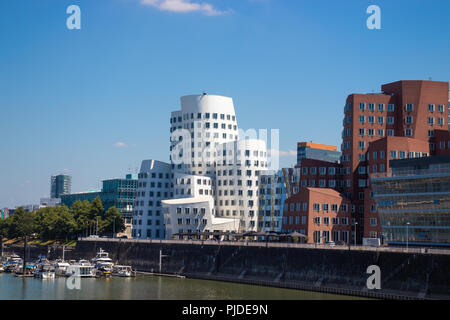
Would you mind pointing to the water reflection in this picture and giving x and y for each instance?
(146, 288)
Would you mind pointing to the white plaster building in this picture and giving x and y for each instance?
(155, 183)
(214, 175)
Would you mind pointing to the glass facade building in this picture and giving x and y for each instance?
(119, 193)
(317, 151)
(59, 185)
(413, 201)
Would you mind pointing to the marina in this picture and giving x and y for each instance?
(144, 287)
(100, 266)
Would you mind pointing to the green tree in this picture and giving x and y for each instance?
(65, 225)
(22, 224)
(112, 222)
(97, 209)
(81, 212)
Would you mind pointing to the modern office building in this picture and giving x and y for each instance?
(155, 183)
(119, 193)
(413, 201)
(69, 199)
(274, 189)
(5, 213)
(214, 174)
(309, 150)
(49, 202)
(406, 114)
(60, 184)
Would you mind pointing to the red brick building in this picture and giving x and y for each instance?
(405, 109)
(407, 119)
(321, 214)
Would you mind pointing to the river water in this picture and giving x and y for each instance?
(146, 288)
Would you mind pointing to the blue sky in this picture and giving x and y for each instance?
(67, 97)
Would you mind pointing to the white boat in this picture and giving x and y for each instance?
(1, 268)
(102, 257)
(61, 268)
(80, 270)
(123, 271)
(45, 271)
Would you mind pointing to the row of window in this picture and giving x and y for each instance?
(303, 206)
(149, 222)
(138, 233)
(158, 194)
(371, 107)
(145, 175)
(322, 170)
(200, 115)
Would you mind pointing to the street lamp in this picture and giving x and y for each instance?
(356, 223)
(407, 226)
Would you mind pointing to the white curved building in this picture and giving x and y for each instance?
(239, 165)
(155, 183)
(214, 184)
(204, 122)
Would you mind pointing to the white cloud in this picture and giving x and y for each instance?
(120, 144)
(183, 6)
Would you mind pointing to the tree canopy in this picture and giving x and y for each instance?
(60, 223)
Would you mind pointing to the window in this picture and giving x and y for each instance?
(362, 131)
(380, 132)
(441, 108)
(380, 107)
(393, 154)
(361, 144)
(408, 119)
(362, 119)
(390, 108)
(409, 107)
(362, 106)
(371, 107)
(430, 120)
(390, 132)
(380, 120)
(316, 207)
(390, 120)
(430, 133)
(431, 108)
(408, 132)
(441, 121)
(371, 119)
(373, 222)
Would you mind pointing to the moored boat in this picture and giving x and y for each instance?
(123, 271)
(61, 268)
(80, 270)
(45, 271)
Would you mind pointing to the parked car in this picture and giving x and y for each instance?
(331, 243)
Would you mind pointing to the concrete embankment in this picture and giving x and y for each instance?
(403, 275)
